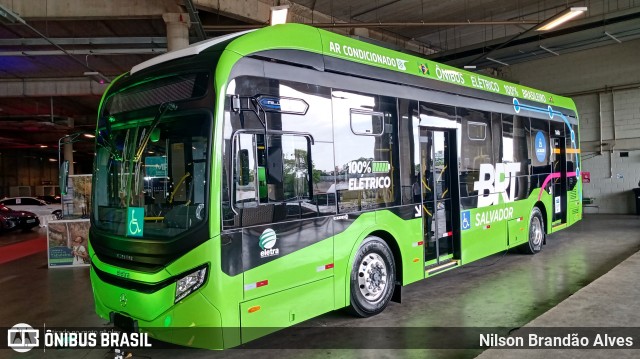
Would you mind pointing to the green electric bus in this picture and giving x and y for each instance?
(256, 180)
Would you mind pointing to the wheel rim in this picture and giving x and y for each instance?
(372, 277)
(535, 233)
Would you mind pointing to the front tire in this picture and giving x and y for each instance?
(536, 233)
(372, 278)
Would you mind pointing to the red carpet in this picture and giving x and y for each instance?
(19, 250)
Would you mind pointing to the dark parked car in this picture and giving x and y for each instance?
(10, 219)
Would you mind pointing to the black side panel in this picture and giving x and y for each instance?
(405, 212)
(241, 249)
(231, 252)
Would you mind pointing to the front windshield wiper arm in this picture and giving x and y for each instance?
(167, 106)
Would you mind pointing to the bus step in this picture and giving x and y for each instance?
(441, 267)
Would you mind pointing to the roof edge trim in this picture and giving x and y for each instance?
(192, 49)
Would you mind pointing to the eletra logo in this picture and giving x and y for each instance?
(22, 337)
(267, 241)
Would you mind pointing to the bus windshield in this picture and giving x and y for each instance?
(151, 176)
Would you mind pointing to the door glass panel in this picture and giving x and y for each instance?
(436, 194)
(443, 194)
(428, 196)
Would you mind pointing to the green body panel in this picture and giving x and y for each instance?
(517, 232)
(296, 289)
(268, 313)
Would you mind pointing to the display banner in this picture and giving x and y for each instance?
(67, 243)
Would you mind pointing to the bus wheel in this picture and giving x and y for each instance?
(372, 278)
(536, 233)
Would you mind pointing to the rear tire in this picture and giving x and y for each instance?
(372, 278)
(536, 233)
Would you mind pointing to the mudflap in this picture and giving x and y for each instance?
(397, 294)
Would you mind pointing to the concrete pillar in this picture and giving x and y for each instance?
(177, 30)
(68, 155)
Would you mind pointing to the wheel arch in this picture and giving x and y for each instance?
(391, 241)
(543, 209)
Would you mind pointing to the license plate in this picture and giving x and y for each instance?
(124, 323)
(31, 220)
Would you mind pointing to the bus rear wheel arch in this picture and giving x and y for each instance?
(537, 233)
(372, 278)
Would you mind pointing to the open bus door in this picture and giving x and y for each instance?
(440, 199)
(559, 170)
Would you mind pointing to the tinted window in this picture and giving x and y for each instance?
(366, 122)
(31, 202)
(288, 157)
(476, 150)
(368, 174)
(409, 150)
(540, 145)
(514, 149)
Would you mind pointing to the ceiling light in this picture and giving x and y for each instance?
(9, 17)
(497, 61)
(561, 18)
(279, 14)
(97, 77)
(549, 50)
(469, 67)
(613, 37)
(89, 135)
(52, 160)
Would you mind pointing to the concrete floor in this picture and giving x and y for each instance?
(509, 290)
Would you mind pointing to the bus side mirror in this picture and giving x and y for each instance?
(243, 158)
(63, 176)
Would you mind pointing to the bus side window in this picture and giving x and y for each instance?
(288, 177)
(477, 150)
(272, 180)
(244, 178)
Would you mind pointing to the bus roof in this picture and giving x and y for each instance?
(307, 38)
(190, 50)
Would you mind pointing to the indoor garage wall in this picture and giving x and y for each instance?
(605, 85)
(26, 170)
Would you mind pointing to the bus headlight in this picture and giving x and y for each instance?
(190, 283)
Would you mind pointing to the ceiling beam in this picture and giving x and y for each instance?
(378, 25)
(29, 53)
(33, 10)
(36, 41)
(80, 86)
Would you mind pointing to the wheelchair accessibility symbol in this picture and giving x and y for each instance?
(135, 221)
(465, 220)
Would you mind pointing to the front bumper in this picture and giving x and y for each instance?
(192, 322)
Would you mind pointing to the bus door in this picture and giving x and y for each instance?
(559, 163)
(440, 202)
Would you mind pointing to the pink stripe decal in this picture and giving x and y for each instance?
(549, 178)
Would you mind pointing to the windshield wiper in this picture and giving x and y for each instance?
(104, 140)
(167, 106)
